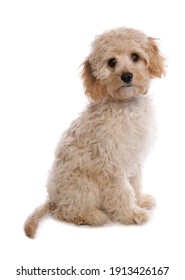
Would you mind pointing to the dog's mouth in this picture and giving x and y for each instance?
(125, 86)
(128, 90)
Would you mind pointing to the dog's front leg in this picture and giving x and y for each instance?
(143, 200)
(120, 204)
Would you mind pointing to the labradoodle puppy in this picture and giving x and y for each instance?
(96, 174)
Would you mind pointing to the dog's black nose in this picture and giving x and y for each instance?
(127, 77)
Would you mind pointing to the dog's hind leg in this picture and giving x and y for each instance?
(91, 217)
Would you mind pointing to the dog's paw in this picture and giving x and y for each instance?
(136, 216)
(92, 217)
(146, 201)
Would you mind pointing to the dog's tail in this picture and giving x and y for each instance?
(32, 221)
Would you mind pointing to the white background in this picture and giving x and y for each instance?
(42, 44)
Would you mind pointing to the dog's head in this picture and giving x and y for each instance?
(121, 64)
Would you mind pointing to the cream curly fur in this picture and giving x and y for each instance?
(96, 174)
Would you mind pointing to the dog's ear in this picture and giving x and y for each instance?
(93, 87)
(156, 65)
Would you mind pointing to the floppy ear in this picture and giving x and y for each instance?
(93, 87)
(156, 65)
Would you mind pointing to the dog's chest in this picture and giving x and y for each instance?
(131, 128)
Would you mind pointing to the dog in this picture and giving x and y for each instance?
(96, 177)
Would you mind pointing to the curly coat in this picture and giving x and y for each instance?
(96, 174)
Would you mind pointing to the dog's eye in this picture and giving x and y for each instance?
(134, 57)
(112, 62)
